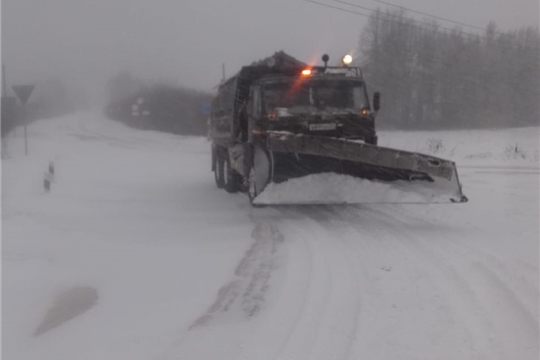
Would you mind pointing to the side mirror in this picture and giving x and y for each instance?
(376, 101)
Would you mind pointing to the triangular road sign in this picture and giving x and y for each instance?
(23, 92)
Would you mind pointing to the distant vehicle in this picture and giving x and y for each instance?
(280, 118)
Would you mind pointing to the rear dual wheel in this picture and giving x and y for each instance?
(225, 177)
(231, 179)
(218, 171)
(372, 140)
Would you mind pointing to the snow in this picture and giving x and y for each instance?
(472, 147)
(329, 188)
(135, 254)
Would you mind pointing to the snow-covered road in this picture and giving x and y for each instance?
(135, 254)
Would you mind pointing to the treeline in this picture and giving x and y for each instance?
(160, 107)
(436, 78)
(49, 99)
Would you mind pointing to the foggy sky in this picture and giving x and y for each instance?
(185, 42)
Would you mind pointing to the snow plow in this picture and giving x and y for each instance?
(286, 132)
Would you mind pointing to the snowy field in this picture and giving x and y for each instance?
(135, 254)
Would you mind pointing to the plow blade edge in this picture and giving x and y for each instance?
(315, 170)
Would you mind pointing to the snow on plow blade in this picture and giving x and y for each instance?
(315, 170)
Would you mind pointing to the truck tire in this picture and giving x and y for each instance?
(218, 171)
(231, 180)
(372, 140)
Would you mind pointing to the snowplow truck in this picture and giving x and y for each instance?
(286, 132)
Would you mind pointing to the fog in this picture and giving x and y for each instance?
(117, 244)
(83, 43)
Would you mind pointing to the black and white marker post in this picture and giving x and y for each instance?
(48, 177)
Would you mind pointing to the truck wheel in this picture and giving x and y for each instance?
(372, 140)
(231, 181)
(218, 172)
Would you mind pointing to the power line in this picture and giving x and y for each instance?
(338, 8)
(433, 16)
(421, 13)
(511, 47)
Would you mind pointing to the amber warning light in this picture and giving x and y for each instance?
(306, 72)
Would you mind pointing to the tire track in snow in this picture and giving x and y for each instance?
(470, 290)
(326, 327)
(408, 294)
(229, 323)
(509, 328)
(315, 315)
(510, 304)
(524, 292)
(253, 273)
(362, 281)
(313, 312)
(493, 268)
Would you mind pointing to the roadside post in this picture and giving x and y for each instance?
(9, 105)
(23, 93)
(47, 177)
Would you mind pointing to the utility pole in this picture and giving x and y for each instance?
(223, 70)
(4, 84)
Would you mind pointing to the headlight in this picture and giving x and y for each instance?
(346, 60)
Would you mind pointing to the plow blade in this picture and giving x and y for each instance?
(316, 170)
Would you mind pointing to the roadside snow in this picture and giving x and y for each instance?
(134, 254)
(127, 216)
(508, 147)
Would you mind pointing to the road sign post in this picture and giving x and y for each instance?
(25, 141)
(23, 92)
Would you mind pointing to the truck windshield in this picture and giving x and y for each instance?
(309, 95)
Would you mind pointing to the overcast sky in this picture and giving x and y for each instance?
(185, 42)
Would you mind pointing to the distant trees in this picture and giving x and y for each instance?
(50, 98)
(435, 78)
(159, 107)
(123, 85)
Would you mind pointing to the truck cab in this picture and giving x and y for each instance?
(313, 102)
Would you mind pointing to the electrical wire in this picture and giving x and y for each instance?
(510, 46)
(430, 15)
(442, 27)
